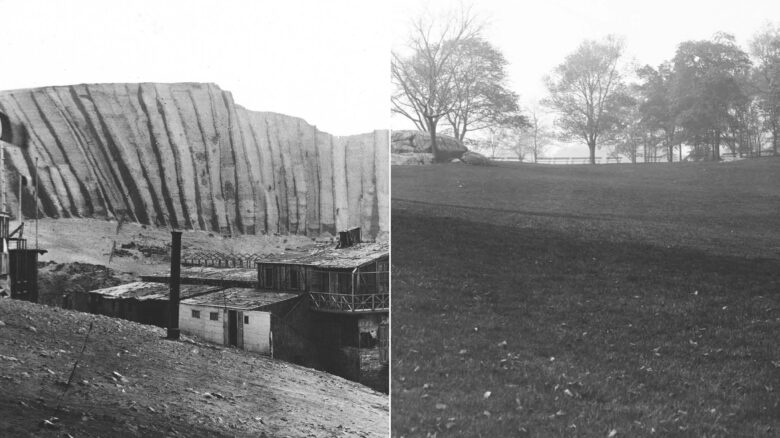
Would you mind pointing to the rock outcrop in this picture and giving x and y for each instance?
(404, 142)
(476, 159)
(185, 155)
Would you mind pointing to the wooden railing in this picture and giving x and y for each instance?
(330, 302)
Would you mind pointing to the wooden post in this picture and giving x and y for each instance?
(19, 201)
(173, 301)
(2, 178)
(36, 202)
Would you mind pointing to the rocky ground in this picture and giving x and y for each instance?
(130, 381)
(89, 254)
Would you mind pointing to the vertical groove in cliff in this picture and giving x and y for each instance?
(156, 150)
(61, 192)
(189, 137)
(44, 203)
(252, 162)
(105, 148)
(85, 168)
(140, 146)
(216, 166)
(279, 187)
(235, 143)
(202, 171)
(169, 156)
(84, 205)
(108, 182)
(187, 155)
(71, 209)
(129, 180)
(170, 128)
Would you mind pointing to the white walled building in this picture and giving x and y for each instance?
(239, 317)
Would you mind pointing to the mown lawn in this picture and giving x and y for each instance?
(586, 301)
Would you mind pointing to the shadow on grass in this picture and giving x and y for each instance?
(503, 331)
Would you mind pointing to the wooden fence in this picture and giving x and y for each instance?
(216, 259)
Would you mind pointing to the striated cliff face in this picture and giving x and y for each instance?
(187, 156)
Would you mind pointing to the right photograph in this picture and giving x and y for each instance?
(585, 219)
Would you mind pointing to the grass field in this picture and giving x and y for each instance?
(586, 300)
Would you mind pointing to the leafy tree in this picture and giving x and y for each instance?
(483, 99)
(765, 49)
(707, 88)
(631, 137)
(587, 92)
(656, 104)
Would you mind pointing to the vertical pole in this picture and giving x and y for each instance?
(173, 301)
(36, 202)
(19, 201)
(2, 178)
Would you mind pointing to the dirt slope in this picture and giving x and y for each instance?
(132, 382)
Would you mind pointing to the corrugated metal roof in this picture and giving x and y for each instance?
(216, 276)
(143, 290)
(328, 256)
(239, 298)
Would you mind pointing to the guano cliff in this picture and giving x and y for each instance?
(185, 155)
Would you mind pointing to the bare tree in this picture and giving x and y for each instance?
(426, 84)
(483, 99)
(586, 92)
(537, 135)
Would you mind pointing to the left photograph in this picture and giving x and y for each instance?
(194, 216)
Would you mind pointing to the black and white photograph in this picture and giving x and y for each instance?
(585, 219)
(195, 219)
(205, 207)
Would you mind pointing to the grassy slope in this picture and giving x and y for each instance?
(639, 299)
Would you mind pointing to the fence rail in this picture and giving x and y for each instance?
(216, 259)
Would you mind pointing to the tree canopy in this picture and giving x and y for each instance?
(707, 88)
(588, 93)
(450, 72)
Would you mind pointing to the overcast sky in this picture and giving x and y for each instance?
(327, 62)
(536, 36)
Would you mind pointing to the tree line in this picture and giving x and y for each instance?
(712, 95)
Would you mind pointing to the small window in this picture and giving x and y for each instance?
(214, 316)
(246, 320)
(196, 313)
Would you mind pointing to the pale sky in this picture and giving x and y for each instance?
(327, 62)
(536, 36)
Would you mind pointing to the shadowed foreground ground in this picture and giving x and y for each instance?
(586, 301)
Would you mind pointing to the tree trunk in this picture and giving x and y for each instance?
(592, 148)
(434, 146)
(716, 147)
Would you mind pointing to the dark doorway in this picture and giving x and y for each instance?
(232, 327)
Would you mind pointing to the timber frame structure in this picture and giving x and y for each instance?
(347, 280)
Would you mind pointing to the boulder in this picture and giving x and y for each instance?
(411, 159)
(475, 159)
(420, 142)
